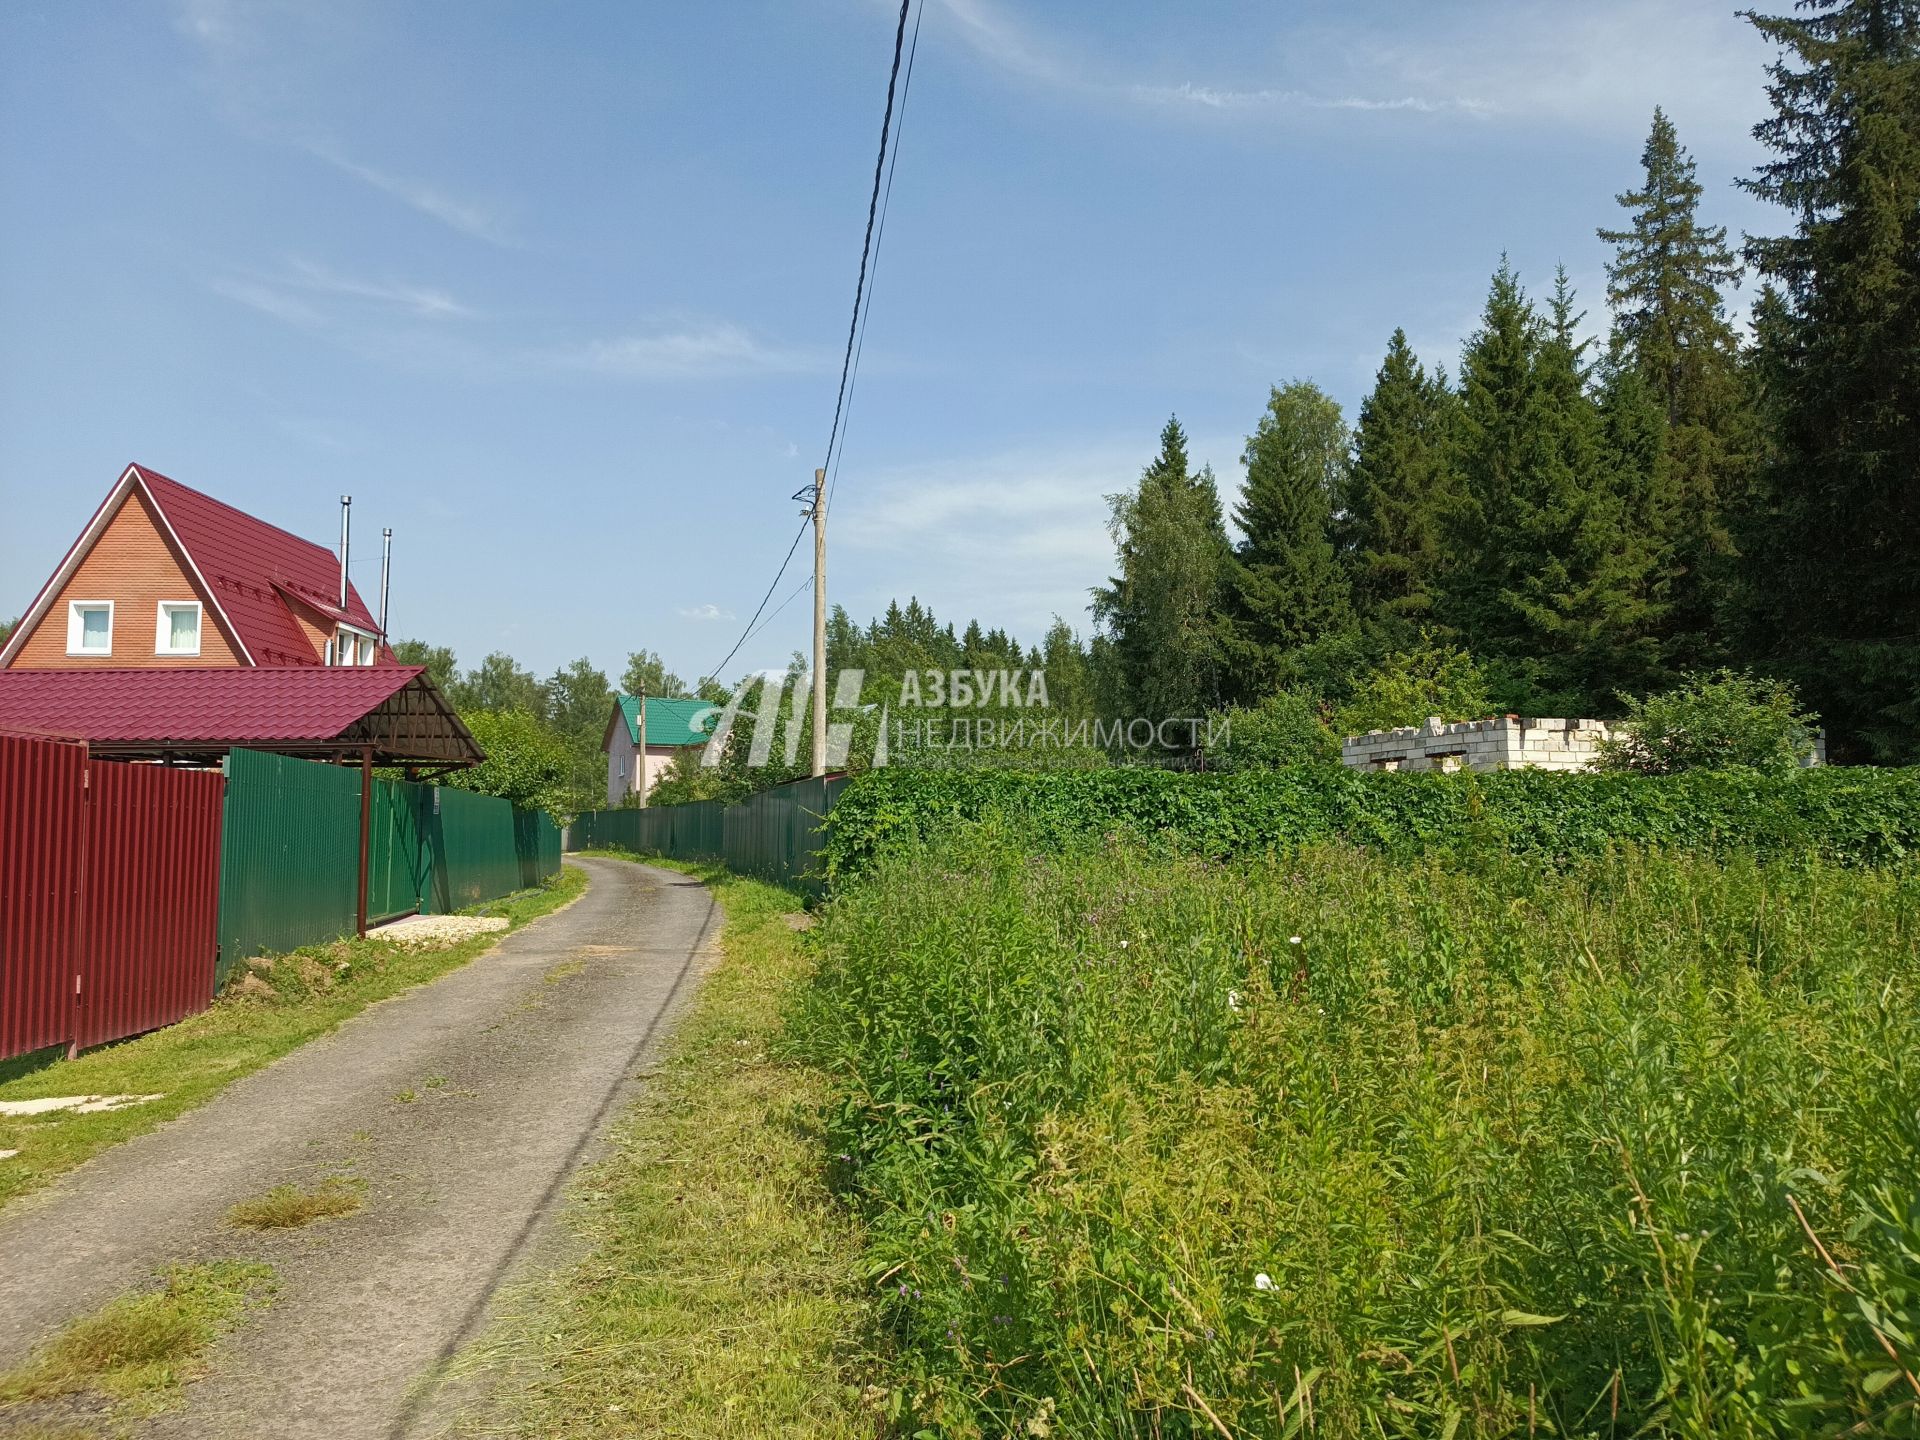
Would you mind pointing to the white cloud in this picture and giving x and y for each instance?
(1588, 67)
(1591, 67)
(1010, 539)
(213, 23)
(419, 300)
(1005, 44)
(1210, 98)
(469, 217)
(268, 299)
(312, 296)
(690, 352)
(270, 67)
(708, 611)
(406, 325)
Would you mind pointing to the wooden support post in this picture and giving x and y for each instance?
(366, 832)
(819, 623)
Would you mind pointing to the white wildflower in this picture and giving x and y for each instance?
(1263, 1281)
(1233, 1000)
(1293, 939)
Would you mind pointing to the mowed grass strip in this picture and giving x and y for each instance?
(721, 1293)
(275, 1008)
(140, 1348)
(288, 1207)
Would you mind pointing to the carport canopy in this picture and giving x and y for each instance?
(391, 714)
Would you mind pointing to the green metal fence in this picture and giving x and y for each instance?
(774, 834)
(289, 855)
(290, 852)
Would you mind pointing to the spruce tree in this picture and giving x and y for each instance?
(1401, 491)
(1666, 284)
(1554, 589)
(1288, 588)
(1158, 614)
(1492, 444)
(1832, 535)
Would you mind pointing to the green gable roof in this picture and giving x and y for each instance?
(669, 722)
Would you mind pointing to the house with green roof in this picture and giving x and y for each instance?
(643, 735)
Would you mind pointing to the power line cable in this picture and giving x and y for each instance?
(801, 590)
(855, 328)
(714, 673)
(866, 246)
(879, 237)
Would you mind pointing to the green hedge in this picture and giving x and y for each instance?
(1860, 815)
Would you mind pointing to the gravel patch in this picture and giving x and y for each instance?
(79, 1104)
(433, 932)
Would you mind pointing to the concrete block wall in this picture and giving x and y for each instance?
(1502, 742)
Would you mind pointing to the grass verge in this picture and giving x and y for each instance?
(282, 1003)
(139, 1348)
(287, 1207)
(721, 1293)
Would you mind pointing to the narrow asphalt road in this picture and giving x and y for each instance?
(462, 1106)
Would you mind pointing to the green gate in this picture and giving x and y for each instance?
(290, 853)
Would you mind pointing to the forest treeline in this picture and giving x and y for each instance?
(1594, 520)
(1556, 525)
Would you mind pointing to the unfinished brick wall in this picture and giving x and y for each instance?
(1504, 742)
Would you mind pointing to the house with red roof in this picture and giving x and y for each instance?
(166, 577)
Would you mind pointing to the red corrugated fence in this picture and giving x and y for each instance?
(150, 905)
(109, 895)
(42, 847)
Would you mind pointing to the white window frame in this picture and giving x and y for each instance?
(344, 647)
(163, 626)
(77, 629)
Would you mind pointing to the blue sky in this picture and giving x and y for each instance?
(558, 291)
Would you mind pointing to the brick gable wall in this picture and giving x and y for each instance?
(132, 564)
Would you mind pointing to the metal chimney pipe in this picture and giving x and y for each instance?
(346, 537)
(386, 570)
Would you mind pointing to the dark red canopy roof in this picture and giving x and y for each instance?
(294, 709)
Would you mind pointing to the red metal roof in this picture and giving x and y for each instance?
(240, 706)
(250, 565)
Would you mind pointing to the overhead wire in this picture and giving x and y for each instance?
(866, 245)
(883, 167)
(880, 235)
(799, 590)
(714, 673)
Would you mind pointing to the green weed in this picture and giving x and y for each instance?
(1154, 1146)
(287, 1207)
(140, 1347)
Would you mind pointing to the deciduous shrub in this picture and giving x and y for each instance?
(526, 761)
(1712, 722)
(1283, 729)
(1851, 814)
(1409, 685)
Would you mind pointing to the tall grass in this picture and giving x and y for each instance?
(1337, 1146)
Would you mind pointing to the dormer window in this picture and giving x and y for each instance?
(90, 627)
(178, 629)
(352, 647)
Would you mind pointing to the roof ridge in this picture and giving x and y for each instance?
(147, 473)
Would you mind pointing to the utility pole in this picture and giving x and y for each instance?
(819, 623)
